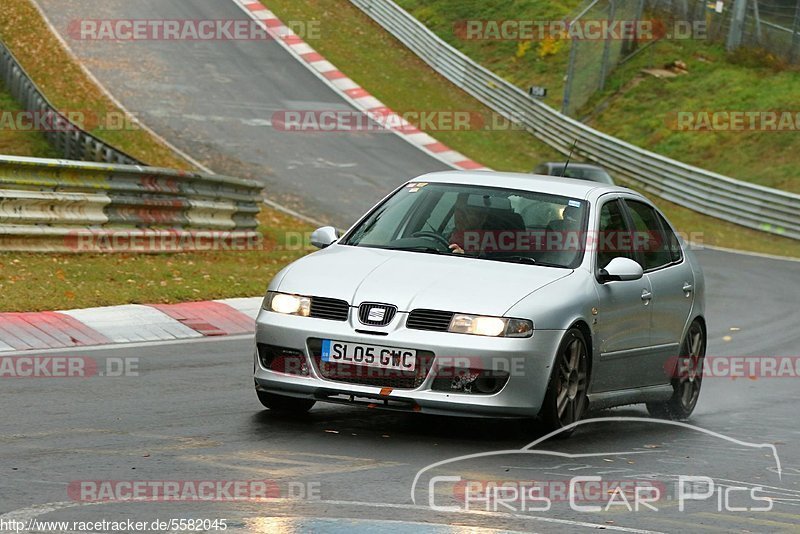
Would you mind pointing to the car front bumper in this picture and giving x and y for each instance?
(528, 362)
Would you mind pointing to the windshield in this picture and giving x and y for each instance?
(480, 222)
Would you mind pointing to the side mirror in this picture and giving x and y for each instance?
(620, 270)
(323, 237)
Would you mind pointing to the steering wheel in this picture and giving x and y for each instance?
(433, 235)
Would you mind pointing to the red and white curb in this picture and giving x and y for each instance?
(359, 97)
(127, 324)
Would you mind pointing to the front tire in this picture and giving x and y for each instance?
(565, 401)
(283, 404)
(686, 385)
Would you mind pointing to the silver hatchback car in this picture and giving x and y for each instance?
(490, 294)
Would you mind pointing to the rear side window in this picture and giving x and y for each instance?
(649, 238)
(672, 241)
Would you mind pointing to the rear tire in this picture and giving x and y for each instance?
(686, 386)
(565, 401)
(283, 404)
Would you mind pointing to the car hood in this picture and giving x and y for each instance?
(412, 280)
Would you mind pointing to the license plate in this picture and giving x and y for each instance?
(369, 355)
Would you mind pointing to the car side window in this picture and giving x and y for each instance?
(648, 236)
(673, 243)
(613, 230)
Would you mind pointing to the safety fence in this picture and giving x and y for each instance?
(591, 61)
(55, 205)
(772, 25)
(719, 196)
(65, 136)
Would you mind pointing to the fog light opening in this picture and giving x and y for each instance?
(283, 360)
(486, 384)
(464, 380)
(474, 381)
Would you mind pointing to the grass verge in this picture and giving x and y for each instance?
(64, 83)
(639, 108)
(15, 142)
(384, 67)
(39, 282)
(404, 82)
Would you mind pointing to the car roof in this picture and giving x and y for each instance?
(555, 185)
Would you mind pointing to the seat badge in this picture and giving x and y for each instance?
(376, 315)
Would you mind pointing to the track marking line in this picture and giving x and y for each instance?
(340, 83)
(136, 345)
(701, 247)
(293, 469)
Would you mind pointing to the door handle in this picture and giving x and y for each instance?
(647, 296)
(687, 287)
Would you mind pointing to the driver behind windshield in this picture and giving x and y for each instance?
(467, 218)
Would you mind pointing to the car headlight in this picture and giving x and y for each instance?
(288, 304)
(490, 326)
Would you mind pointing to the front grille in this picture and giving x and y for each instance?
(435, 320)
(371, 376)
(375, 314)
(325, 308)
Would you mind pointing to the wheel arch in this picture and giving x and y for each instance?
(702, 321)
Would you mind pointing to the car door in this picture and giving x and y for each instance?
(672, 282)
(623, 315)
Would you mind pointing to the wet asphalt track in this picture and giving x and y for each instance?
(215, 100)
(191, 413)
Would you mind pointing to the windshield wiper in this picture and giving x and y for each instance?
(515, 259)
(528, 261)
(426, 250)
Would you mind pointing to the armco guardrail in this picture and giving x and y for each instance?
(67, 138)
(56, 205)
(719, 196)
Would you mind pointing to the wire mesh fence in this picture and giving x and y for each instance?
(772, 26)
(593, 55)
